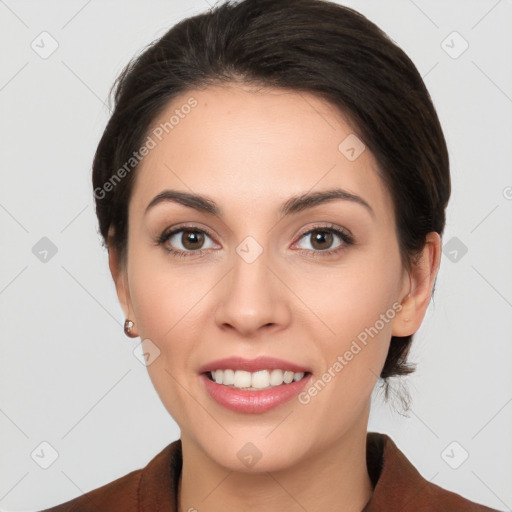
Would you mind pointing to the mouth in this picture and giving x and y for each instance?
(254, 392)
(254, 386)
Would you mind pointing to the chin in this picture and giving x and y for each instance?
(253, 453)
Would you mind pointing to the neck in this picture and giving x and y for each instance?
(334, 478)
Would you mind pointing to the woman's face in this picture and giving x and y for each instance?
(251, 281)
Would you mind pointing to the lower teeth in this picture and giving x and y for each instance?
(251, 388)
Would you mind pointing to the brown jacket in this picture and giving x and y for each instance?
(398, 486)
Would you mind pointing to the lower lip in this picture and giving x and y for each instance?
(253, 402)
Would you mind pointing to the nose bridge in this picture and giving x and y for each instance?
(251, 298)
(250, 280)
(251, 267)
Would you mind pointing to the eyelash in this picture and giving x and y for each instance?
(346, 238)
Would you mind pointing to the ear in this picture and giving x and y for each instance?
(422, 278)
(119, 275)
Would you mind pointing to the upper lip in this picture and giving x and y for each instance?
(252, 365)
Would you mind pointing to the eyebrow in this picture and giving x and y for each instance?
(293, 205)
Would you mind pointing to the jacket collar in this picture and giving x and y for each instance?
(397, 483)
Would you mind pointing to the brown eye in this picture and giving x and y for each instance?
(321, 239)
(185, 241)
(192, 239)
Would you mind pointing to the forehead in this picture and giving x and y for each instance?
(254, 148)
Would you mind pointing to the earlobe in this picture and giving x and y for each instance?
(422, 278)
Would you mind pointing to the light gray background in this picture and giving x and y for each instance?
(68, 375)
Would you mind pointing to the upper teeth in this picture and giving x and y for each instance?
(257, 380)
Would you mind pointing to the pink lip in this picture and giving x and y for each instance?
(253, 402)
(252, 365)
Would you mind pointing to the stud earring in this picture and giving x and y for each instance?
(128, 324)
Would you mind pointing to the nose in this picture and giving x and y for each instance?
(253, 298)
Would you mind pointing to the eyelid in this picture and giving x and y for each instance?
(327, 226)
(183, 227)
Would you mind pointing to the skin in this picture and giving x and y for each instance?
(250, 150)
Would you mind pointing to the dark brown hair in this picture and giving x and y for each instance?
(314, 46)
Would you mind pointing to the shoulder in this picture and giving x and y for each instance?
(120, 494)
(398, 485)
(146, 488)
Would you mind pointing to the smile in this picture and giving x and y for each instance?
(251, 400)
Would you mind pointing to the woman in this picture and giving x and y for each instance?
(271, 188)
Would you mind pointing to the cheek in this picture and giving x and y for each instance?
(162, 294)
(154, 304)
(163, 303)
(164, 314)
(354, 297)
(357, 309)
